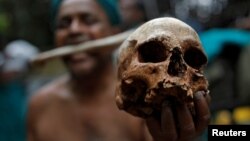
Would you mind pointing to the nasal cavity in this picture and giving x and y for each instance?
(176, 66)
(153, 51)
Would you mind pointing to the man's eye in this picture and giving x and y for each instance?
(89, 19)
(63, 23)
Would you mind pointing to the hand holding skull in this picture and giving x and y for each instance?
(160, 78)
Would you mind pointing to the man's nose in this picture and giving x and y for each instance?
(77, 27)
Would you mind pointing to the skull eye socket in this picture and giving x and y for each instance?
(195, 58)
(152, 51)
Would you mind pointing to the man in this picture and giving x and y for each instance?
(14, 71)
(133, 13)
(81, 105)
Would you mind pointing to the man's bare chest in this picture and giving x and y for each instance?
(67, 123)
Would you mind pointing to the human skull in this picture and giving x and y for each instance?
(161, 60)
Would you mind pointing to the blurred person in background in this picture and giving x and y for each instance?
(13, 92)
(132, 12)
(81, 106)
(244, 69)
(228, 72)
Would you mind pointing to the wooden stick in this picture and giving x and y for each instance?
(105, 44)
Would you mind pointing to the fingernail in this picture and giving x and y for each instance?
(198, 95)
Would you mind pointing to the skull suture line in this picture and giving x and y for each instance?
(162, 59)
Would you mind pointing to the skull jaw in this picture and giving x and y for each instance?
(145, 102)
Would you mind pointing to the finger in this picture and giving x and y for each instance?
(202, 111)
(168, 123)
(185, 120)
(154, 127)
(208, 97)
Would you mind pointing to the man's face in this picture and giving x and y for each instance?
(130, 12)
(79, 21)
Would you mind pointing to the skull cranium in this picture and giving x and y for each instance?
(163, 59)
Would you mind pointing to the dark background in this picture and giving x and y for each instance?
(30, 19)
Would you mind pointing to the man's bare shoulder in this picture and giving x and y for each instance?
(49, 93)
(46, 104)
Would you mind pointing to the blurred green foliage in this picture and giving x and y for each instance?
(4, 23)
(28, 20)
